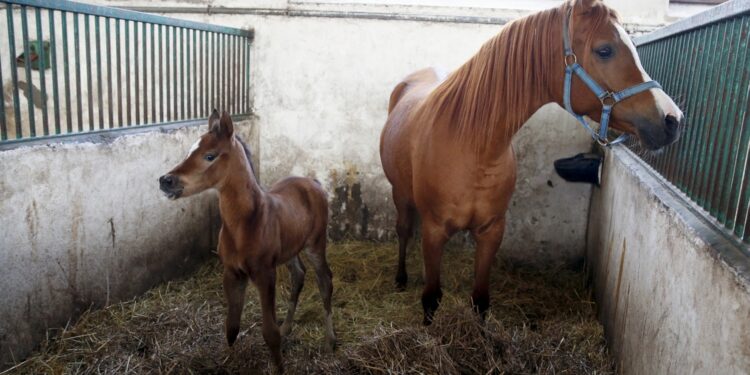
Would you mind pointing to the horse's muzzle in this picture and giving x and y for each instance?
(170, 185)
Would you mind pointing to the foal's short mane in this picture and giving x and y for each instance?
(249, 155)
(500, 86)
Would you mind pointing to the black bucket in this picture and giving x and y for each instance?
(580, 168)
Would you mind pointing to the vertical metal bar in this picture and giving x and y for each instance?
(110, 79)
(214, 72)
(89, 82)
(697, 53)
(127, 74)
(136, 81)
(195, 74)
(231, 79)
(183, 95)
(236, 81)
(674, 152)
(119, 79)
(166, 75)
(241, 78)
(66, 72)
(53, 60)
(204, 80)
(99, 83)
(174, 71)
(13, 69)
(3, 126)
(27, 67)
(225, 72)
(162, 76)
(42, 67)
(153, 75)
(145, 73)
(248, 72)
(187, 92)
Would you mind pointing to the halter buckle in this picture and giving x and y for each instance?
(568, 61)
(608, 99)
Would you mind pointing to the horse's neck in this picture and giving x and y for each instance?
(241, 197)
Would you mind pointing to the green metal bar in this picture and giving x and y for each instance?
(53, 61)
(174, 71)
(124, 14)
(88, 70)
(110, 79)
(27, 67)
(136, 81)
(66, 72)
(145, 73)
(162, 76)
(128, 106)
(675, 153)
(183, 95)
(42, 67)
(119, 79)
(100, 90)
(13, 69)
(153, 74)
(666, 160)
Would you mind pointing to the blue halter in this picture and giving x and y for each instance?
(608, 98)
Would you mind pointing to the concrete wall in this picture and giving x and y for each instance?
(84, 224)
(672, 291)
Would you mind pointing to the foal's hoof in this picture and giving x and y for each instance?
(285, 329)
(232, 335)
(401, 282)
(330, 345)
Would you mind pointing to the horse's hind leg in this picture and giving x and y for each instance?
(317, 256)
(488, 239)
(405, 230)
(234, 291)
(297, 274)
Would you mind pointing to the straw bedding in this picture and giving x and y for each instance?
(541, 322)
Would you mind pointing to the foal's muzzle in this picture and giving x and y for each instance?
(170, 185)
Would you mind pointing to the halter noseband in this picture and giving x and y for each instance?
(608, 98)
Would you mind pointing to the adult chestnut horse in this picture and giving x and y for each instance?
(259, 229)
(446, 146)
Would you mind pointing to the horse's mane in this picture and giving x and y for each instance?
(497, 89)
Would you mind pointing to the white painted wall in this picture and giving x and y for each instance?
(671, 292)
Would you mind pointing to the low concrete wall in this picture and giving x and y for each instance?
(672, 291)
(84, 224)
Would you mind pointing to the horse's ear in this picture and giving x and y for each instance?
(226, 126)
(213, 121)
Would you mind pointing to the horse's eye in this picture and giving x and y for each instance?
(604, 52)
(209, 157)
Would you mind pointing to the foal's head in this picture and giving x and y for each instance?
(606, 52)
(213, 157)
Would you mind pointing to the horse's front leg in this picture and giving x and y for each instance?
(434, 238)
(488, 238)
(265, 281)
(234, 290)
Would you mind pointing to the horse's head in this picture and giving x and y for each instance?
(606, 53)
(207, 163)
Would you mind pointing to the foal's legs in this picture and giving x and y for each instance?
(488, 239)
(404, 229)
(317, 257)
(234, 291)
(297, 273)
(265, 281)
(434, 238)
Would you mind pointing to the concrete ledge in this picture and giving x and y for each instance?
(672, 290)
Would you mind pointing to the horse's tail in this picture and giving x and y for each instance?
(396, 94)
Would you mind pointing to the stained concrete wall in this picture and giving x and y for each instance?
(672, 291)
(84, 224)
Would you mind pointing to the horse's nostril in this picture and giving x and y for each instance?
(166, 180)
(671, 122)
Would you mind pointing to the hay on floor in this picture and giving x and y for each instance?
(539, 323)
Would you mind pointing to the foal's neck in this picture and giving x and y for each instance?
(240, 196)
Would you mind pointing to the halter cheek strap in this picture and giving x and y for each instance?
(608, 99)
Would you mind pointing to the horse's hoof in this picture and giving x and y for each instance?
(232, 335)
(427, 321)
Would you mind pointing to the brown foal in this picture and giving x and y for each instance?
(260, 229)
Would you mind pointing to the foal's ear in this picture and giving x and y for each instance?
(585, 5)
(213, 121)
(226, 127)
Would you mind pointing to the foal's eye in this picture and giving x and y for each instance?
(209, 157)
(604, 52)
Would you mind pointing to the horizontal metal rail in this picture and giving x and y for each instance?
(704, 63)
(76, 68)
